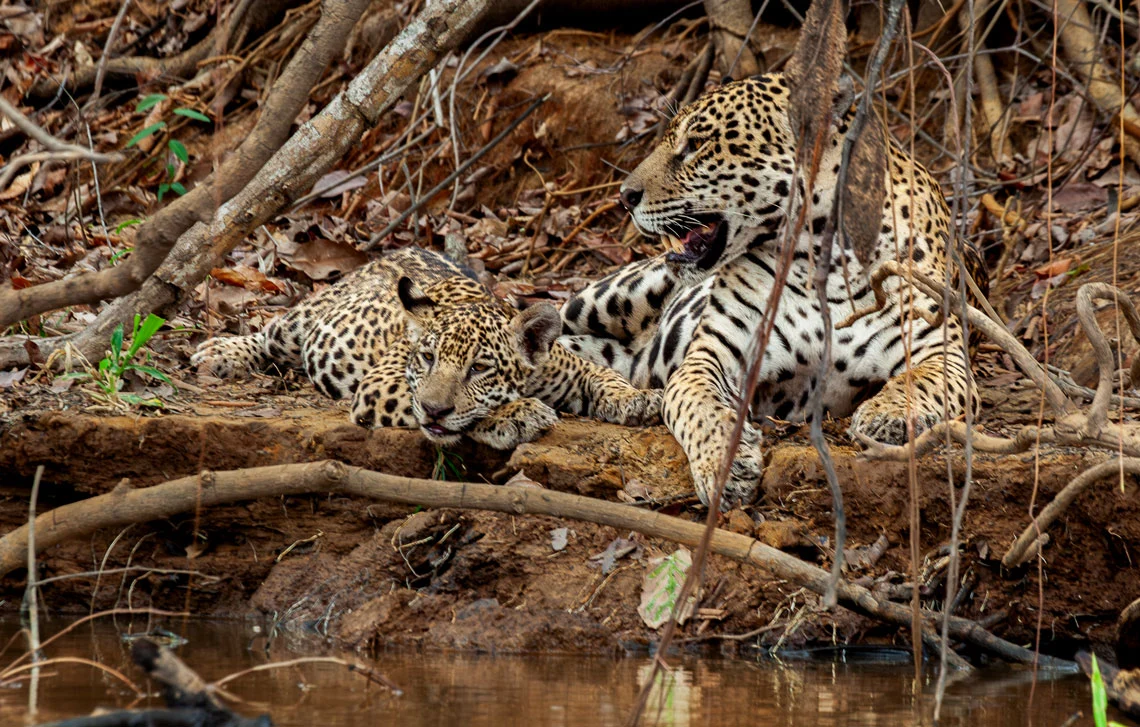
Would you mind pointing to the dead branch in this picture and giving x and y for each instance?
(189, 699)
(290, 172)
(1081, 47)
(182, 65)
(159, 233)
(1020, 551)
(125, 505)
(56, 150)
(995, 116)
(729, 24)
(101, 67)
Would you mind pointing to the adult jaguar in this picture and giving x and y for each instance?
(416, 340)
(720, 183)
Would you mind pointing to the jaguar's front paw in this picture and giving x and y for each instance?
(513, 424)
(743, 477)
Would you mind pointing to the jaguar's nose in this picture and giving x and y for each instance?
(435, 413)
(630, 197)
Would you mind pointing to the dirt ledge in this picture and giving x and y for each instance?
(372, 574)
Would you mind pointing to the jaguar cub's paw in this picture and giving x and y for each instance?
(513, 424)
(227, 357)
(632, 407)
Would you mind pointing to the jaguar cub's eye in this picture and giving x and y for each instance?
(692, 144)
(480, 368)
(427, 356)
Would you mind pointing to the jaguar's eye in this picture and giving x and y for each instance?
(692, 145)
(480, 368)
(427, 356)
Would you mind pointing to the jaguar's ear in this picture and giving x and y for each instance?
(415, 301)
(535, 330)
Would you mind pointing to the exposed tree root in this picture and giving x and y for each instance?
(125, 505)
(1072, 427)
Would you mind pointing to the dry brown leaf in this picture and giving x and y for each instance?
(21, 183)
(1055, 268)
(322, 259)
(245, 277)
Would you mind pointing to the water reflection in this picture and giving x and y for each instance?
(465, 689)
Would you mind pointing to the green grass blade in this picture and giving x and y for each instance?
(179, 150)
(148, 102)
(151, 371)
(145, 133)
(1099, 696)
(144, 333)
(192, 114)
(117, 343)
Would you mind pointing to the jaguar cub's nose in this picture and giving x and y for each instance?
(435, 413)
(630, 197)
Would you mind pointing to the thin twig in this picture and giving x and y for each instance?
(31, 599)
(102, 68)
(375, 239)
(56, 149)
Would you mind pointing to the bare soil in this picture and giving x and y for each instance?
(374, 574)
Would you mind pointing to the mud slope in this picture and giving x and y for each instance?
(370, 573)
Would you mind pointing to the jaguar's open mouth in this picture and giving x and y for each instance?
(702, 245)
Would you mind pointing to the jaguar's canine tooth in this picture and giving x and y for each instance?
(675, 244)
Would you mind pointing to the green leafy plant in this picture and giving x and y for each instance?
(177, 148)
(448, 466)
(108, 375)
(1100, 698)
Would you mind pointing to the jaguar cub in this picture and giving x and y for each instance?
(417, 341)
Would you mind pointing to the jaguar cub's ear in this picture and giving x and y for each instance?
(535, 330)
(415, 301)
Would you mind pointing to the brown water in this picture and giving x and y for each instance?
(463, 689)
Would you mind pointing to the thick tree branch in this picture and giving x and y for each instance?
(158, 234)
(289, 173)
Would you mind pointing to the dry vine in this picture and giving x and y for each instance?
(1071, 427)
